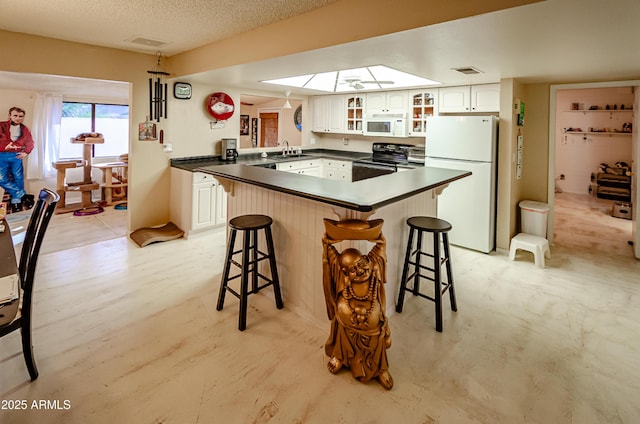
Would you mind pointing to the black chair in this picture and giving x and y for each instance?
(40, 216)
(249, 225)
(438, 228)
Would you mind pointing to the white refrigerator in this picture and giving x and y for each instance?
(469, 204)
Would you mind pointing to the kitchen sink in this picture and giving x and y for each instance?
(293, 156)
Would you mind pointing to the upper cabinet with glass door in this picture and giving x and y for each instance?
(355, 114)
(423, 103)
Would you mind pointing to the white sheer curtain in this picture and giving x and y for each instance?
(46, 134)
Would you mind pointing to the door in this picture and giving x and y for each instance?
(387, 102)
(635, 189)
(554, 143)
(470, 138)
(321, 108)
(204, 206)
(468, 204)
(221, 205)
(269, 129)
(485, 98)
(454, 99)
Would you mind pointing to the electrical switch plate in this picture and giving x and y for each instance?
(168, 147)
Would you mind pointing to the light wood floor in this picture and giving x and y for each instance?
(131, 335)
(67, 231)
(585, 222)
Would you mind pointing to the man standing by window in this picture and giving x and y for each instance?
(15, 144)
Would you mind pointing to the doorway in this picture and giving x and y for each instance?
(589, 131)
(269, 123)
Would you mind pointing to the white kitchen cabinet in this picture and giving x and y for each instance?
(321, 167)
(355, 114)
(307, 167)
(198, 201)
(336, 169)
(485, 98)
(221, 205)
(386, 102)
(454, 99)
(469, 98)
(329, 114)
(422, 103)
(203, 212)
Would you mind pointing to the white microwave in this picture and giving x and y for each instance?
(386, 125)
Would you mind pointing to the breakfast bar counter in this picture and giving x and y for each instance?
(362, 196)
(299, 203)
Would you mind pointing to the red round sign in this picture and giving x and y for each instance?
(220, 106)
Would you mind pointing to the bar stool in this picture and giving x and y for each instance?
(249, 224)
(438, 228)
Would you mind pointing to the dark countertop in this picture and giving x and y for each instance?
(364, 196)
(191, 163)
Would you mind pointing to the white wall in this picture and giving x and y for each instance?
(357, 143)
(189, 127)
(577, 155)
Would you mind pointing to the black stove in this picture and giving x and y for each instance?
(384, 160)
(390, 153)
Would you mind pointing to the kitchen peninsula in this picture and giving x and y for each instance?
(299, 203)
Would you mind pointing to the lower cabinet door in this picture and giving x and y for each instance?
(204, 205)
(221, 205)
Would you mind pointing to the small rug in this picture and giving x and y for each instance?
(89, 210)
(145, 236)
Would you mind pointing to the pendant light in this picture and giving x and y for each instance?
(287, 105)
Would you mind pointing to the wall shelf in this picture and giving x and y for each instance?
(611, 112)
(598, 133)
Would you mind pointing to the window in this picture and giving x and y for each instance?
(112, 121)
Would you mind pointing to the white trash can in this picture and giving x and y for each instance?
(534, 218)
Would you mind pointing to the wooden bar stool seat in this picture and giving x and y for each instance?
(439, 229)
(249, 226)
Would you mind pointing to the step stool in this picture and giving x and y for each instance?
(537, 245)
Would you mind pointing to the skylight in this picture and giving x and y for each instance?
(377, 77)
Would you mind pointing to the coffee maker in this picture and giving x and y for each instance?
(229, 149)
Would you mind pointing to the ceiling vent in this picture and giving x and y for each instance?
(468, 70)
(147, 42)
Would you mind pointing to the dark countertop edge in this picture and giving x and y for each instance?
(408, 194)
(298, 193)
(359, 187)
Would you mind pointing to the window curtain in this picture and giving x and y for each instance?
(46, 134)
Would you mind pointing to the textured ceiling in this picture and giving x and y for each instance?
(179, 25)
(550, 41)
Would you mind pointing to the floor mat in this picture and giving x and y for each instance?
(146, 236)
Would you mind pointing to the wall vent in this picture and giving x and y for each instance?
(468, 70)
(147, 42)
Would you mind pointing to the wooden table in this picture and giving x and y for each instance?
(8, 272)
(110, 182)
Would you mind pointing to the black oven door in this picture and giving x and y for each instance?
(363, 170)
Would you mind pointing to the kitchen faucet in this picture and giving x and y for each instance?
(286, 149)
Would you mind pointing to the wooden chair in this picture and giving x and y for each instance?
(40, 217)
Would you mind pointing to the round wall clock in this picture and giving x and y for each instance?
(182, 90)
(220, 106)
(297, 118)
